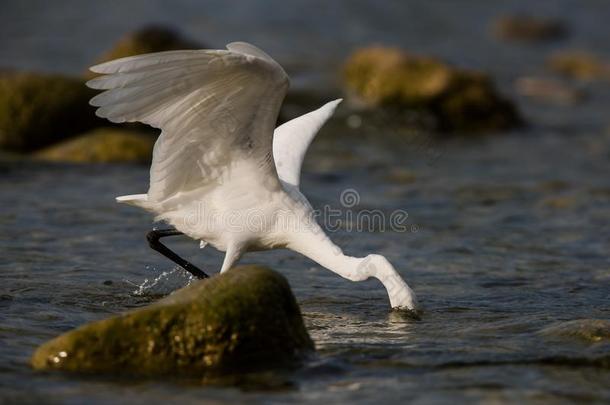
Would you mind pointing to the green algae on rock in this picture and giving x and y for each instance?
(102, 145)
(244, 319)
(39, 109)
(457, 99)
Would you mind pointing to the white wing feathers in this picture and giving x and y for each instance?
(248, 49)
(291, 140)
(214, 108)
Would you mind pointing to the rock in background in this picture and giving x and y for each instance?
(38, 109)
(102, 145)
(454, 99)
(148, 39)
(41, 112)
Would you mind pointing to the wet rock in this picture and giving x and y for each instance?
(525, 28)
(549, 90)
(148, 39)
(584, 330)
(39, 109)
(244, 319)
(456, 99)
(102, 145)
(580, 65)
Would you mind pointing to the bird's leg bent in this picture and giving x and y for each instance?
(153, 240)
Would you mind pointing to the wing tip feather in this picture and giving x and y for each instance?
(334, 103)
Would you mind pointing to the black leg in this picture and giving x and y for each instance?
(153, 240)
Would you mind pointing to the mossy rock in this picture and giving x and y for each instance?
(580, 65)
(102, 145)
(388, 75)
(148, 39)
(38, 109)
(242, 320)
(527, 28)
(457, 99)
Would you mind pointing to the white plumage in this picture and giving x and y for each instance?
(220, 173)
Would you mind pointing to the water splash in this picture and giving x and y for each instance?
(163, 284)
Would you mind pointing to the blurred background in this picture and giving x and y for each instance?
(486, 121)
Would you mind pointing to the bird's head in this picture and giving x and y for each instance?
(400, 294)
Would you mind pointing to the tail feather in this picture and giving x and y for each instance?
(139, 200)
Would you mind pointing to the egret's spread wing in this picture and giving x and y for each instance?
(214, 107)
(291, 140)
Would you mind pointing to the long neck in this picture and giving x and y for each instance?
(318, 247)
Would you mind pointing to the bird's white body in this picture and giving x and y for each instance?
(221, 173)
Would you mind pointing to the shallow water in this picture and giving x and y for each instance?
(506, 236)
(493, 262)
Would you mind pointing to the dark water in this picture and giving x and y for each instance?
(507, 238)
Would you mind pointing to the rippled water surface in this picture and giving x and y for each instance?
(506, 245)
(494, 255)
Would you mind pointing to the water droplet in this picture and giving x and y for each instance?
(164, 283)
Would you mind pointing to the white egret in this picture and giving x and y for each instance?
(220, 173)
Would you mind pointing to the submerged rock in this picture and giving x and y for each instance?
(244, 319)
(526, 28)
(102, 145)
(580, 65)
(584, 330)
(457, 99)
(38, 109)
(148, 39)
